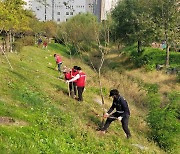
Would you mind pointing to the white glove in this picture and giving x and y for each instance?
(106, 115)
(120, 118)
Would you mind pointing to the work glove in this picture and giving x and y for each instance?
(120, 118)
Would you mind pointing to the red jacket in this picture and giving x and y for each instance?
(58, 59)
(74, 73)
(82, 80)
(67, 75)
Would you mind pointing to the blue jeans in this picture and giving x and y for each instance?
(59, 67)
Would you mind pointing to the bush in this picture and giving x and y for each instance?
(27, 40)
(164, 122)
(164, 127)
(17, 46)
(151, 88)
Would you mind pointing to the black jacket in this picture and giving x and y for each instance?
(121, 105)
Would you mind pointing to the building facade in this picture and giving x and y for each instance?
(62, 10)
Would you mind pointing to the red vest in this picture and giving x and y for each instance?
(81, 81)
(58, 59)
(73, 73)
(67, 75)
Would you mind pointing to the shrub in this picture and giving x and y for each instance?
(151, 88)
(17, 46)
(27, 40)
(164, 127)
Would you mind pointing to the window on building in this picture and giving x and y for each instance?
(71, 13)
(58, 20)
(67, 13)
(58, 13)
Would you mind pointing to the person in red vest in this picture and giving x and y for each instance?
(68, 75)
(58, 61)
(81, 80)
(74, 72)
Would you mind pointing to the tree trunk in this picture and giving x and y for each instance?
(139, 46)
(7, 45)
(10, 41)
(167, 55)
(108, 35)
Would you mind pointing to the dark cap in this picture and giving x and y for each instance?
(78, 68)
(114, 92)
(75, 67)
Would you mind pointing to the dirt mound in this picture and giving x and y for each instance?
(12, 121)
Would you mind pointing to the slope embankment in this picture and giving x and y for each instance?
(38, 116)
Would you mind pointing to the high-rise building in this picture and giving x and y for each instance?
(62, 10)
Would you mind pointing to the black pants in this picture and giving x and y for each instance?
(80, 91)
(73, 87)
(124, 122)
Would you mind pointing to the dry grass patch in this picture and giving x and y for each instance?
(12, 121)
(166, 83)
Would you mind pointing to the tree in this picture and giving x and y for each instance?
(13, 19)
(165, 15)
(78, 28)
(132, 22)
(50, 29)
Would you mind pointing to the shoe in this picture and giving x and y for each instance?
(128, 136)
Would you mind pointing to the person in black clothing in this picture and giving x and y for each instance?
(122, 112)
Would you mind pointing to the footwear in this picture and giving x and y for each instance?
(128, 136)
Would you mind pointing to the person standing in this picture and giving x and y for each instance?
(45, 43)
(74, 72)
(58, 61)
(39, 42)
(81, 80)
(122, 112)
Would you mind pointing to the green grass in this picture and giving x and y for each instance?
(46, 119)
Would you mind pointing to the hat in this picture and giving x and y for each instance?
(114, 92)
(75, 67)
(78, 68)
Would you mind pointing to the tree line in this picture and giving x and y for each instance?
(131, 21)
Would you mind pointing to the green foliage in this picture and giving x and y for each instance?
(17, 46)
(21, 42)
(151, 88)
(27, 40)
(151, 56)
(164, 127)
(77, 28)
(163, 122)
(132, 22)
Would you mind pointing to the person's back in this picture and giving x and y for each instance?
(82, 80)
(58, 61)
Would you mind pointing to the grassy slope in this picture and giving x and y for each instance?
(47, 120)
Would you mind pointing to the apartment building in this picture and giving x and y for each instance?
(62, 10)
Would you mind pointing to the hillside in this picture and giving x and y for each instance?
(37, 116)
